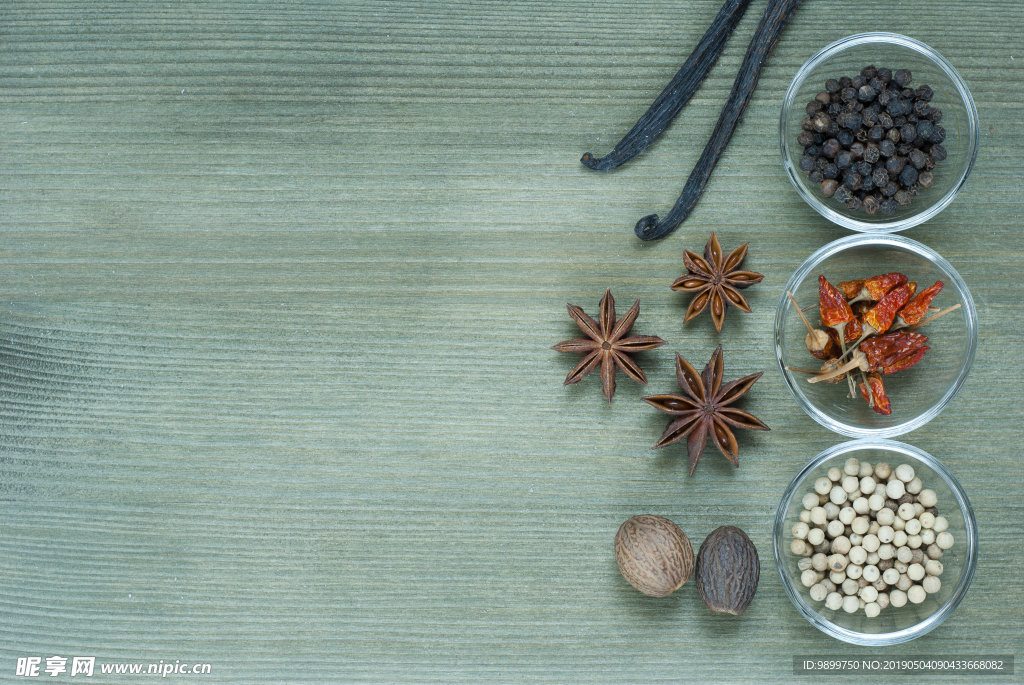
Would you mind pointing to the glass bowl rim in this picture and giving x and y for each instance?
(892, 39)
(879, 240)
(966, 575)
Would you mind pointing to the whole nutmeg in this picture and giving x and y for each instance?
(727, 570)
(653, 555)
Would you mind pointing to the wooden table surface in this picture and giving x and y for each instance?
(278, 286)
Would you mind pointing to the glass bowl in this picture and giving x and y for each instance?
(916, 394)
(895, 624)
(847, 57)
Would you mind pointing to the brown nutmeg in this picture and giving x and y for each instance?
(727, 570)
(653, 555)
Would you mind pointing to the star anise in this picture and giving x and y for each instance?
(705, 409)
(715, 281)
(607, 344)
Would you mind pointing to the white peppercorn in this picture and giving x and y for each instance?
(852, 466)
(901, 566)
(876, 502)
(851, 604)
(867, 485)
(835, 474)
(917, 557)
(880, 489)
(905, 472)
(870, 573)
(914, 486)
(805, 516)
(885, 534)
(841, 545)
(891, 576)
(944, 541)
(818, 515)
(818, 592)
(865, 469)
(906, 512)
(851, 484)
(831, 511)
(899, 539)
(861, 604)
(838, 562)
(800, 530)
(861, 506)
(883, 600)
(927, 498)
(916, 594)
(861, 582)
(927, 520)
(918, 509)
(915, 571)
(857, 555)
(904, 554)
(872, 609)
(941, 524)
(870, 543)
(847, 514)
(886, 552)
(882, 470)
(934, 552)
(819, 562)
(894, 489)
(898, 598)
(927, 537)
(931, 584)
(828, 585)
(885, 516)
(822, 486)
(933, 567)
(834, 601)
(850, 587)
(854, 571)
(837, 495)
(860, 525)
(809, 577)
(912, 527)
(898, 524)
(816, 536)
(797, 547)
(913, 541)
(904, 583)
(873, 558)
(868, 594)
(880, 585)
(835, 528)
(837, 577)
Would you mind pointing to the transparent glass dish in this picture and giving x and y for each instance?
(895, 624)
(917, 394)
(847, 57)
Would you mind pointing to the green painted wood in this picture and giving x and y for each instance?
(278, 283)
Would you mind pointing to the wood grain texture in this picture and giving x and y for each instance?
(278, 283)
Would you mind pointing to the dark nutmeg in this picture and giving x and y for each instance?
(728, 570)
(653, 555)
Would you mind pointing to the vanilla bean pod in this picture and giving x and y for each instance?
(676, 94)
(773, 22)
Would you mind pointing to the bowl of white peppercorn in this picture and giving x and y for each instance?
(878, 132)
(876, 542)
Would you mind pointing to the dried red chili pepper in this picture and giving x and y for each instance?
(851, 288)
(834, 310)
(874, 394)
(881, 316)
(905, 362)
(915, 310)
(886, 350)
(875, 288)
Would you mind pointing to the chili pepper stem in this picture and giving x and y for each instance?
(848, 366)
(841, 329)
(935, 316)
(810, 328)
(799, 370)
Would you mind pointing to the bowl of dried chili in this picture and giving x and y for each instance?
(875, 335)
(827, 160)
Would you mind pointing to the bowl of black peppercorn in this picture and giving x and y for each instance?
(878, 132)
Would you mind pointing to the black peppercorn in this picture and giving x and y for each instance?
(893, 134)
(935, 115)
(807, 163)
(853, 204)
(812, 108)
(805, 138)
(857, 82)
(885, 75)
(879, 177)
(832, 85)
(823, 97)
(887, 148)
(830, 148)
(876, 133)
(869, 71)
(807, 124)
(853, 180)
(834, 110)
(816, 176)
(889, 189)
(866, 93)
(866, 184)
(908, 132)
(848, 95)
(842, 194)
(902, 198)
(844, 159)
(924, 129)
(829, 170)
(877, 83)
(828, 187)
(857, 150)
(885, 120)
(913, 189)
(925, 180)
(908, 176)
(889, 206)
(871, 153)
(906, 93)
(846, 137)
(894, 165)
(863, 168)
(917, 158)
(861, 135)
(938, 153)
(812, 150)
(821, 122)
(938, 135)
(871, 204)
(904, 149)
(845, 82)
